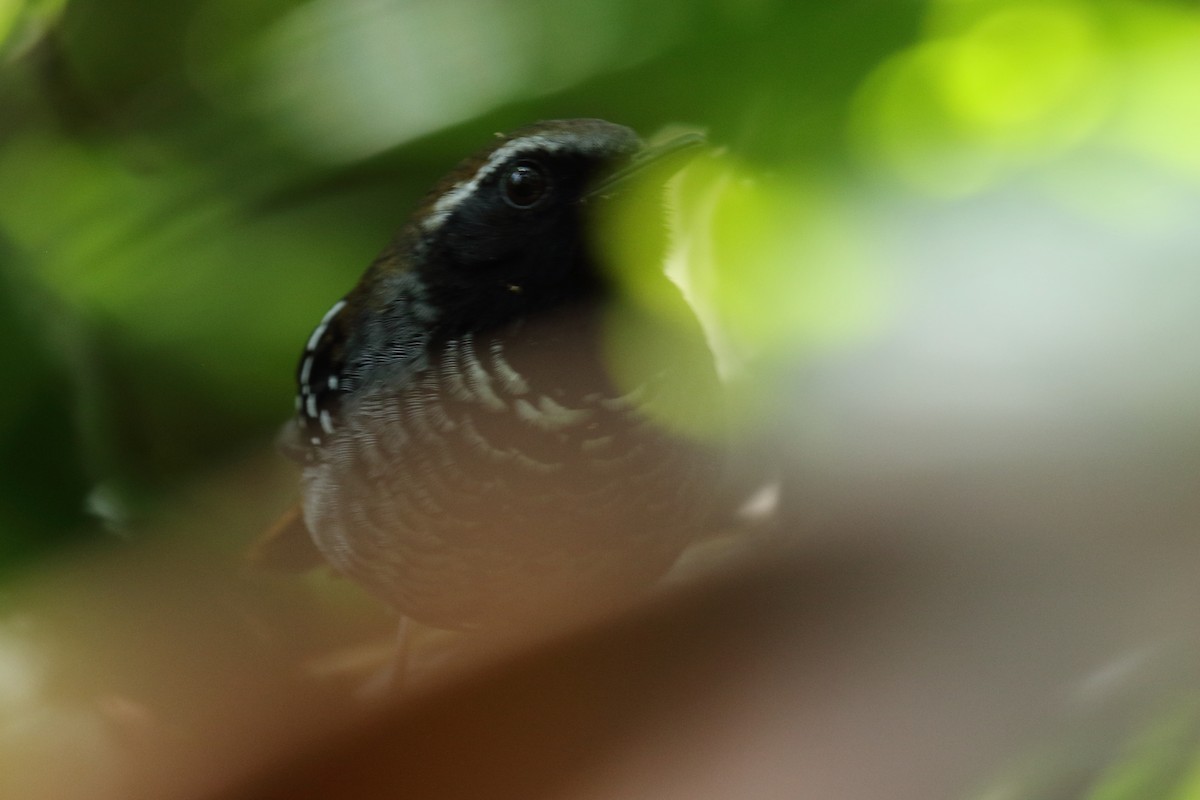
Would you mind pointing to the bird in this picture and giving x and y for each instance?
(475, 449)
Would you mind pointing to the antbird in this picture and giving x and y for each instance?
(490, 429)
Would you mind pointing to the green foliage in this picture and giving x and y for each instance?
(187, 186)
(190, 185)
(44, 483)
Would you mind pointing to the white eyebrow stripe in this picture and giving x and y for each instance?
(552, 142)
(451, 199)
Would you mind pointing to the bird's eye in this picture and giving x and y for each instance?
(524, 185)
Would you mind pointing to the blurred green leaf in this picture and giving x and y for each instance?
(44, 483)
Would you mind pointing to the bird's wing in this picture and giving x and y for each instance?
(287, 545)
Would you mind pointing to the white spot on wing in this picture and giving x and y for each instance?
(319, 331)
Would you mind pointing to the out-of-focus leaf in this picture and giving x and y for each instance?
(44, 484)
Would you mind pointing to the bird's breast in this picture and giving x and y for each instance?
(510, 470)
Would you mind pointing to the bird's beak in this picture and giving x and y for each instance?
(664, 160)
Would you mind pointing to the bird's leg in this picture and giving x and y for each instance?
(390, 679)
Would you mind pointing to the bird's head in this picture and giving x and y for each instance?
(507, 232)
(503, 237)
